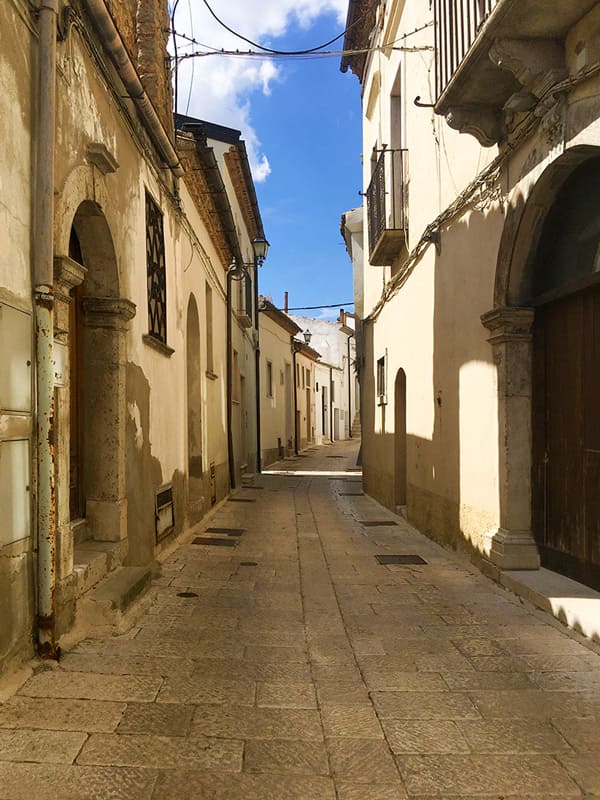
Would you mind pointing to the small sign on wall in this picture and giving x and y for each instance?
(61, 363)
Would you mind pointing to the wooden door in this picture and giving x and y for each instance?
(566, 435)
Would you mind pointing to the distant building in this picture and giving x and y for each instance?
(336, 385)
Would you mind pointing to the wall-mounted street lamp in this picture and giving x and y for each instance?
(236, 272)
(307, 336)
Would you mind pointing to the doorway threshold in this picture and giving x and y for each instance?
(575, 605)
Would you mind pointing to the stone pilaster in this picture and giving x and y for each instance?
(106, 322)
(67, 275)
(512, 546)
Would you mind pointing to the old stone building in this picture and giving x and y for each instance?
(117, 428)
(480, 359)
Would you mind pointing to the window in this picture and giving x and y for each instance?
(381, 382)
(308, 371)
(269, 379)
(303, 377)
(156, 273)
(297, 375)
(210, 365)
(332, 391)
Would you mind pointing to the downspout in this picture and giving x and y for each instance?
(349, 392)
(331, 404)
(257, 369)
(113, 43)
(43, 296)
(295, 397)
(230, 453)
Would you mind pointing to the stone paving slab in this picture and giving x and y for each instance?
(162, 752)
(61, 715)
(63, 782)
(316, 674)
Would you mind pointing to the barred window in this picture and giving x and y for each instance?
(156, 273)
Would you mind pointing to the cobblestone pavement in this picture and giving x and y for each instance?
(293, 666)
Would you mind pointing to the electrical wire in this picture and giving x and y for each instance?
(316, 308)
(280, 52)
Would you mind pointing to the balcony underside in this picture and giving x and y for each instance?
(517, 55)
(388, 247)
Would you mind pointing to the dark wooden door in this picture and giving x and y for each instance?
(76, 498)
(566, 435)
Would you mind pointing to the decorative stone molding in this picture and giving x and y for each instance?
(483, 122)
(99, 155)
(536, 63)
(108, 312)
(156, 344)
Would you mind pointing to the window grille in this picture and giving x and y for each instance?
(156, 272)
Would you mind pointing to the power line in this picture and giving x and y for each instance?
(316, 308)
(280, 52)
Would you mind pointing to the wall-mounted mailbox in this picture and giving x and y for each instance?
(15, 359)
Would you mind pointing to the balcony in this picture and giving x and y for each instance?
(496, 58)
(387, 208)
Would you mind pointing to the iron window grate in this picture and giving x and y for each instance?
(212, 541)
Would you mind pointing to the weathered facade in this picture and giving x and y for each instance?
(114, 271)
(480, 362)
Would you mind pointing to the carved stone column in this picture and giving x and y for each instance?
(106, 322)
(512, 546)
(68, 274)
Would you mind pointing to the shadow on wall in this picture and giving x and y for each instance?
(438, 470)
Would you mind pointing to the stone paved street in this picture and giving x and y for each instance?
(293, 666)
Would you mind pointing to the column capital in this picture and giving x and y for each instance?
(67, 275)
(108, 312)
(509, 324)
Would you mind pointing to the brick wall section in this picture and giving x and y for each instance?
(201, 195)
(152, 24)
(123, 13)
(234, 166)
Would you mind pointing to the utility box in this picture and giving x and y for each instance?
(15, 360)
(15, 519)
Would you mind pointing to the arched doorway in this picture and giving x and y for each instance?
(194, 400)
(400, 475)
(565, 292)
(98, 358)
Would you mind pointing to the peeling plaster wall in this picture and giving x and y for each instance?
(17, 65)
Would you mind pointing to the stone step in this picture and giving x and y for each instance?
(81, 532)
(92, 561)
(110, 600)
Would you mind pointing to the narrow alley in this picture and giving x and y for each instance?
(279, 659)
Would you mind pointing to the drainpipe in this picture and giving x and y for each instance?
(230, 453)
(349, 391)
(331, 403)
(295, 396)
(43, 296)
(113, 43)
(257, 370)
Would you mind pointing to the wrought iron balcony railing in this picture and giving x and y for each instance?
(457, 23)
(387, 207)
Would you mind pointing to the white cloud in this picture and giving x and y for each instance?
(219, 88)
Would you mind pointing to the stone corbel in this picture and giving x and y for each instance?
(483, 122)
(100, 156)
(538, 64)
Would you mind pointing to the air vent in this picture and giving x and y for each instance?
(211, 541)
(164, 513)
(405, 559)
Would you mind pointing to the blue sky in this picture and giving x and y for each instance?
(301, 121)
